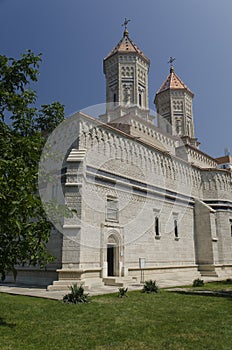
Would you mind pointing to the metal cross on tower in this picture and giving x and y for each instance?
(125, 23)
(171, 60)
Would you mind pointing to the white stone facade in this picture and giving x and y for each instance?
(147, 184)
(140, 191)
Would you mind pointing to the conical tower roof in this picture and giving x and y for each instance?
(126, 45)
(173, 82)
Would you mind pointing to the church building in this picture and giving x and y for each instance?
(147, 203)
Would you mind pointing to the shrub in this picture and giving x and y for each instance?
(122, 292)
(150, 287)
(198, 283)
(76, 296)
(229, 281)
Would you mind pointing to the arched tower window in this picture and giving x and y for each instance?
(189, 128)
(176, 229)
(157, 233)
(157, 223)
(231, 227)
(115, 99)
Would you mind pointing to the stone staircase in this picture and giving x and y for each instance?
(120, 281)
(207, 271)
(64, 285)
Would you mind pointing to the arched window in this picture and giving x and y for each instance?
(189, 128)
(176, 229)
(115, 99)
(157, 233)
(140, 100)
(112, 209)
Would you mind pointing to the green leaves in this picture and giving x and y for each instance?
(15, 78)
(49, 117)
(76, 295)
(150, 286)
(24, 228)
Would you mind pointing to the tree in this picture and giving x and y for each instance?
(24, 228)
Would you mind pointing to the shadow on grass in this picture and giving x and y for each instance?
(209, 293)
(5, 324)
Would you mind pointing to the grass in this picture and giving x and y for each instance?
(217, 285)
(167, 321)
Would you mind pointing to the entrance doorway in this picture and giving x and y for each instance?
(111, 259)
(113, 256)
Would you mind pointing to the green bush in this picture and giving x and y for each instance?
(76, 296)
(150, 287)
(198, 283)
(122, 292)
(229, 281)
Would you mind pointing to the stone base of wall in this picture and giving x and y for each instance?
(89, 278)
(224, 271)
(167, 276)
(33, 277)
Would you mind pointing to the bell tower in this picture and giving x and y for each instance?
(126, 71)
(174, 105)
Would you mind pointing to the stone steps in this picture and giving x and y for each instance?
(208, 274)
(114, 281)
(207, 271)
(64, 285)
(119, 281)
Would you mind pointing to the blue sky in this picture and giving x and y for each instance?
(75, 35)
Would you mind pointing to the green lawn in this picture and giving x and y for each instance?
(166, 320)
(220, 285)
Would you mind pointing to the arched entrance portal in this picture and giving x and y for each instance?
(113, 256)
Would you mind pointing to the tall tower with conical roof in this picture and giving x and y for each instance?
(174, 105)
(126, 71)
